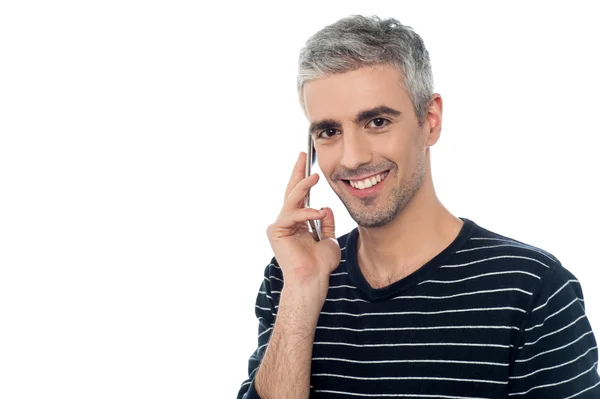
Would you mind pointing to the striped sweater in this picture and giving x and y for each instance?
(488, 317)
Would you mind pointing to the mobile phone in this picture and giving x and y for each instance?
(315, 225)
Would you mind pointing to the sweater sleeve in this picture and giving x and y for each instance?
(265, 310)
(557, 356)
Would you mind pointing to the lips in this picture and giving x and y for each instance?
(369, 181)
(368, 186)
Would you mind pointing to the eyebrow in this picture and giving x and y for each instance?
(361, 117)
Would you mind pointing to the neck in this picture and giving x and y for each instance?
(418, 233)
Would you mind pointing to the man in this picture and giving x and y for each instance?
(414, 302)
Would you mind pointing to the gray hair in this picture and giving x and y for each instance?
(358, 41)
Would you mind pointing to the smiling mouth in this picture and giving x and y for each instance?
(368, 182)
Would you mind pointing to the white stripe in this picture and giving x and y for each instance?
(245, 383)
(417, 328)
(345, 299)
(273, 277)
(265, 294)
(336, 359)
(463, 294)
(552, 333)
(495, 257)
(554, 367)
(477, 276)
(554, 384)
(342, 260)
(338, 274)
(496, 239)
(416, 344)
(585, 390)
(513, 241)
(552, 315)
(552, 296)
(254, 371)
(406, 313)
(266, 331)
(519, 245)
(552, 350)
(260, 347)
(275, 266)
(486, 247)
(341, 286)
(265, 320)
(341, 249)
(408, 378)
(275, 292)
(261, 308)
(396, 395)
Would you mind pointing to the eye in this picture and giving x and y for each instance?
(329, 133)
(381, 120)
(326, 131)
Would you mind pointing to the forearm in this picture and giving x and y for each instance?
(285, 369)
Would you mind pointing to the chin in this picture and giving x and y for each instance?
(372, 221)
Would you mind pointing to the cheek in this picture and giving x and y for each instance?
(326, 169)
(402, 155)
(394, 148)
(326, 159)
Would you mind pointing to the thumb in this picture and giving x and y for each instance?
(328, 225)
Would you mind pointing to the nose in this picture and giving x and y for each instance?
(357, 150)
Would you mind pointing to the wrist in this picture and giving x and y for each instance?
(302, 302)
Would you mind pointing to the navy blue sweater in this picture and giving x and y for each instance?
(488, 317)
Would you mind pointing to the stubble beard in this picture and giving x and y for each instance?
(367, 213)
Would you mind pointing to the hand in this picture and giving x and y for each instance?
(303, 260)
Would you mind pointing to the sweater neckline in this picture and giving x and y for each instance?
(375, 294)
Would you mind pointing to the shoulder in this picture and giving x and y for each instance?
(495, 262)
(510, 254)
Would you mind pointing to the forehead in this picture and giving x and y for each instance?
(340, 96)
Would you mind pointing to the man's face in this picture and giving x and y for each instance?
(389, 148)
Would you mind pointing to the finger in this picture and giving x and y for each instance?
(296, 198)
(328, 225)
(297, 174)
(287, 220)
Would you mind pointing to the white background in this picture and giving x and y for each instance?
(145, 147)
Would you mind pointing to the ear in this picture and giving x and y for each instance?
(433, 120)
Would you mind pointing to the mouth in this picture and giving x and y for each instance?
(366, 186)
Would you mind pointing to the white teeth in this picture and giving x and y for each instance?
(369, 182)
